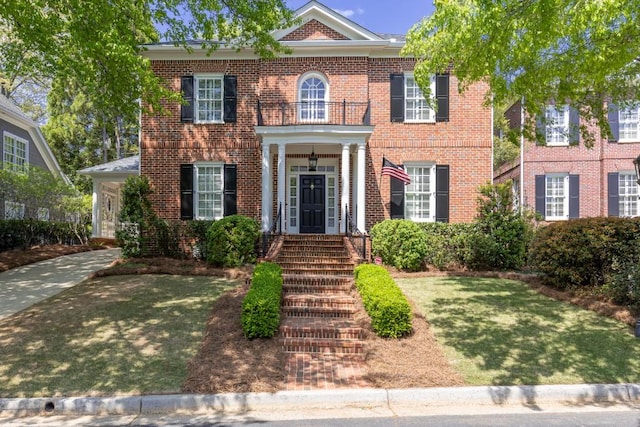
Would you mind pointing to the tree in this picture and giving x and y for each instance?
(578, 52)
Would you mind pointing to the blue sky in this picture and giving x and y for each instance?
(379, 16)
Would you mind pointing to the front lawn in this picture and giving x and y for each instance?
(501, 332)
(108, 336)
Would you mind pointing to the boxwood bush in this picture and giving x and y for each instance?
(400, 243)
(585, 252)
(231, 241)
(261, 306)
(390, 312)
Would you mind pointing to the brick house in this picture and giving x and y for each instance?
(244, 140)
(563, 179)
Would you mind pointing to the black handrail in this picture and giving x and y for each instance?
(353, 232)
(275, 230)
(343, 113)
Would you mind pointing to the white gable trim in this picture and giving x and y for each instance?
(330, 18)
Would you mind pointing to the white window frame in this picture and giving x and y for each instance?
(11, 153)
(549, 194)
(13, 210)
(557, 125)
(43, 214)
(629, 118)
(416, 107)
(628, 200)
(215, 189)
(421, 192)
(313, 108)
(213, 102)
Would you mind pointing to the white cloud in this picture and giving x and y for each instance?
(349, 12)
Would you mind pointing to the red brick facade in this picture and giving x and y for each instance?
(464, 143)
(592, 165)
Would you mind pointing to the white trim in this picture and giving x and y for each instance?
(563, 129)
(431, 111)
(431, 166)
(565, 206)
(196, 193)
(26, 164)
(629, 203)
(636, 138)
(325, 81)
(196, 100)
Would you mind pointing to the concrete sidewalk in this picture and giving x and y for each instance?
(24, 286)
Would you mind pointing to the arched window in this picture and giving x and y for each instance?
(313, 98)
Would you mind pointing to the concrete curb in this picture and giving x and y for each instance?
(243, 403)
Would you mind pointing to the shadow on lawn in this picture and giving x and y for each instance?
(526, 338)
(121, 334)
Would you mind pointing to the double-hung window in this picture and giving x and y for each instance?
(557, 196)
(416, 107)
(13, 210)
(557, 125)
(420, 193)
(15, 152)
(628, 194)
(209, 97)
(629, 124)
(208, 196)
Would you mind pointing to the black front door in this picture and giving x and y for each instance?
(312, 204)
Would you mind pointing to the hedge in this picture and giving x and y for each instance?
(261, 306)
(390, 312)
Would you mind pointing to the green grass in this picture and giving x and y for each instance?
(500, 332)
(113, 335)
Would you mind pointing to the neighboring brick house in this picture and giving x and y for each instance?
(563, 179)
(243, 142)
(22, 146)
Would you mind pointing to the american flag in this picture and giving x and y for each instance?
(393, 170)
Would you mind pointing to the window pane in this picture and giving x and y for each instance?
(557, 125)
(416, 107)
(628, 124)
(313, 99)
(209, 99)
(555, 196)
(628, 195)
(209, 192)
(418, 194)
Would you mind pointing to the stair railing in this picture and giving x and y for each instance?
(357, 238)
(268, 237)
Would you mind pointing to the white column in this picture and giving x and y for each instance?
(282, 180)
(360, 220)
(96, 212)
(266, 188)
(344, 201)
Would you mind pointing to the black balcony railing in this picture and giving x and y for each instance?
(310, 113)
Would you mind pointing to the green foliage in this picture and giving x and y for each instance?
(22, 234)
(504, 152)
(502, 234)
(573, 50)
(196, 230)
(583, 252)
(390, 312)
(231, 241)
(623, 286)
(400, 243)
(261, 306)
(136, 215)
(447, 244)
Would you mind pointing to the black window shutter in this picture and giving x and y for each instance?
(442, 97)
(442, 193)
(397, 98)
(230, 197)
(574, 126)
(541, 195)
(186, 110)
(396, 209)
(613, 195)
(186, 191)
(541, 130)
(574, 196)
(612, 115)
(230, 99)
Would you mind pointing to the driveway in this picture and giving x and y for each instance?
(29, 284)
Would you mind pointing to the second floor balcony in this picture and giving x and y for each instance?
(341, 113)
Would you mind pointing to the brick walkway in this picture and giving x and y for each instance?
(323, 345)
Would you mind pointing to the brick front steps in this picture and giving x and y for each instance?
(323, 344)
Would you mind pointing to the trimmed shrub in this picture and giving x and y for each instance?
(400, 243)
(24, 233)
(390, 312)
(261, 306)
(197, 231)
(447, 244)
(231, 241)
(583, 252)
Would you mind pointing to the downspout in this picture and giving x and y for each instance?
(522, 153)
